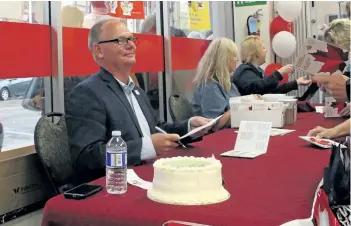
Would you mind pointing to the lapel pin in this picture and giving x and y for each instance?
(136, 92)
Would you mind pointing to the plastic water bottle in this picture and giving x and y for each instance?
(116, 164)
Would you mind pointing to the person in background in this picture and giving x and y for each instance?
(71, 16)
(249, 77)
(100, 11)
(337, 84)
(212, 80)
(109, 100)
(149, 27)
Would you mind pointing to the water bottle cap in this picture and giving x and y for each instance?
(116, 133)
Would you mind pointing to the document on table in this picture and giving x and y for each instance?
(210, 123)
(278, 132)
(252, 140)
(134, 179)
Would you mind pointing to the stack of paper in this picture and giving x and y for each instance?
(252, 140)
(278, 132)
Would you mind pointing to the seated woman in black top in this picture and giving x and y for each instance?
(249, 77)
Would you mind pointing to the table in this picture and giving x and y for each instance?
(267, 191)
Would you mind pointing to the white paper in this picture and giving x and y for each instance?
(308, 139)
(278, 132)
(252, 140)
(320, 109)
(329, 110)
(210, 123)
(184, 223)
(301, 222)
(240, 154)
(134, 179)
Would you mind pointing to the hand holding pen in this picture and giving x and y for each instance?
(164, 132)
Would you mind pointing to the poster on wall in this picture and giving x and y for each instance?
(126, 9)
(249, 3)
(199, 15)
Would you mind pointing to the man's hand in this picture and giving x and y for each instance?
(303, 81)
(164, 142)
(334, 84)
(321, 132)
(197, 122)
(346, 111)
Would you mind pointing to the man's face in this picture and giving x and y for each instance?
(121, 51)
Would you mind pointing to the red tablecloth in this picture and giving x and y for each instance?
(267, 191)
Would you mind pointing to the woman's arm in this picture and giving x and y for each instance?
(340, 130)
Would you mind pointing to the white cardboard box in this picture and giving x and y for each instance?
(257, 111)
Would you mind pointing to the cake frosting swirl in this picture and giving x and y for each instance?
(188, 181)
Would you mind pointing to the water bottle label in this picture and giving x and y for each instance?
(116, 159)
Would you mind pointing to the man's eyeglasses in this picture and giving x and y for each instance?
(121, 41)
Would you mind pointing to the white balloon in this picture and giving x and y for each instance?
(284, 44)
(289, 11)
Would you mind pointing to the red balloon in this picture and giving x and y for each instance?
(278, 24)
(275, 66)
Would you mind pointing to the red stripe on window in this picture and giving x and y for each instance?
(25, 50)
(186, 52)
(79, 61)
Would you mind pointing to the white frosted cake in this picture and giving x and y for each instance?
(188, 181)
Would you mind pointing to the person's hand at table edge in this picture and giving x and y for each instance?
(321, 132)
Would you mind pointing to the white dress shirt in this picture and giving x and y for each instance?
(147, 149)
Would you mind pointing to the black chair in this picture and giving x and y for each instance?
(51, 144)
(180, 108)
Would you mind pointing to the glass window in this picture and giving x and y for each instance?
(191, 19)
(21, 96)
(80, 14)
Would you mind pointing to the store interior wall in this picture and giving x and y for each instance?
(240, 18)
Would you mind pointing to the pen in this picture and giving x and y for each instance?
(164, 132)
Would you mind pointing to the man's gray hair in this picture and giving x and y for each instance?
(96, 30)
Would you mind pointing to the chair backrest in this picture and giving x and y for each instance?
(51, 144)
(180, 108)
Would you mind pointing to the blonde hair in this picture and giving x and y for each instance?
(214, 63)
(338, 33)
(251, 48)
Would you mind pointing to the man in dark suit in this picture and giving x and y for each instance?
(108, 100)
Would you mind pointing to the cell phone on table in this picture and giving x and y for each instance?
(82, 191)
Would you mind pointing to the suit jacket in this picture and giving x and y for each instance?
(251, 80)
(98, 106)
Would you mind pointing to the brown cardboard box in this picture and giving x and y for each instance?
(290, 115)
(23, 180)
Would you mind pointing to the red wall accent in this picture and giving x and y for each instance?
(79, 61)
(25, 50)
(186, 52)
